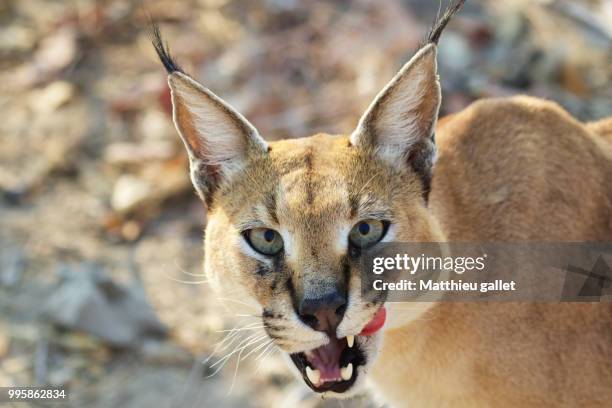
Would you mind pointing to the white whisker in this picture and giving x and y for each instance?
(261, 326)
(247, 315)
(226, 342)
(186, 282)
(223, 361)
(235, 373)
(249, 341)
(259, 356)
(263, 358)
(186, 272)
(237, 301)
(234, 335)
(257, 348)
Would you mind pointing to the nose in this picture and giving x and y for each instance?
(323, 313)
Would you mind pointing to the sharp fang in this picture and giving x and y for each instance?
(350, 340)
(347, 372)
(314, 375)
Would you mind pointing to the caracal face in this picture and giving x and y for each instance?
(289, 221)
(316, 194)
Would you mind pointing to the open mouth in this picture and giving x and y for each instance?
(333, 366)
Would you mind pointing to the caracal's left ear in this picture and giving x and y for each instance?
(399, 124)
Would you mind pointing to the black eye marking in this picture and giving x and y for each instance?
(289, 286)
(277, 263)
(262, 269)
(346, 271)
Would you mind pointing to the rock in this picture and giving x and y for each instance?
(15, 365)
(6, 380)
(61, 376)
(55, 53)
(131, 230)
(455, 52)
(154, 183)
(16, 39)
(12, 263)
(165, 353)
(90, 301)
(52, 97)
(79, 342)
(5, 343)
(129, 192)
(156, 125)
(134, 154)
(41, 361)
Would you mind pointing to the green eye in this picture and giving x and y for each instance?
(264, 240)
(367, 233)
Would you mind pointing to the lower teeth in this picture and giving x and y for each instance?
(347, 372)
(313, 375)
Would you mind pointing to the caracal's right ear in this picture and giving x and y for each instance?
(218, 138)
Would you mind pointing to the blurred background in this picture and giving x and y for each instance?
(101, 286)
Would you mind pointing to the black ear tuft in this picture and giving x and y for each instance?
(441, 22)
(162, 50)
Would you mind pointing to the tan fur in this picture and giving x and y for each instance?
(510, 170)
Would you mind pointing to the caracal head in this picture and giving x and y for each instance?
(288, 221)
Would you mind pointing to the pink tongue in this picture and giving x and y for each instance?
(326, 359)
(376, 323)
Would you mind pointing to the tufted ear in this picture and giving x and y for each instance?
(218, 138)
(399, 123)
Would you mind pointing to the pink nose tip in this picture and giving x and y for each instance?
(376, 323)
